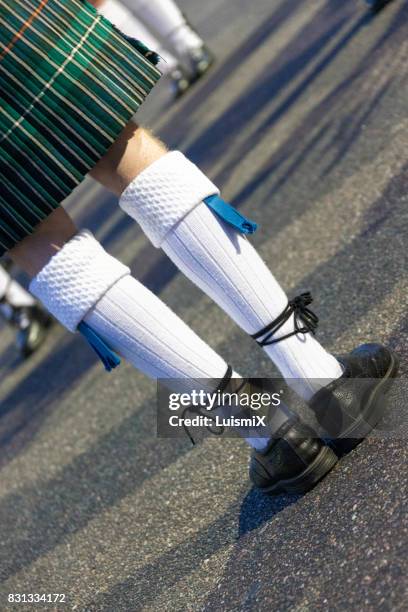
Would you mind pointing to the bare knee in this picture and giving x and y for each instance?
(133, 151)
(34, 252)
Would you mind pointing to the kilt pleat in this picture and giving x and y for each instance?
(69, 83)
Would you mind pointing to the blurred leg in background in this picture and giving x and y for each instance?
(20, 310)
(162, 27)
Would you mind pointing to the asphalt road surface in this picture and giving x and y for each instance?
(304, 122)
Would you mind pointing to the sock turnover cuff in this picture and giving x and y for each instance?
(75, 279)
(164, 193)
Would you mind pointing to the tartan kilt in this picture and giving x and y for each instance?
(69, 83)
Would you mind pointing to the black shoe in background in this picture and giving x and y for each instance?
(200, 61)
(180, 82)
(31, 323)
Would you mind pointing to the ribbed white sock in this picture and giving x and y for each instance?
(184, 40)
(128, 23)
(139, 326)
(166, 199)
(165, 17)
(224, 264)
(83, 283)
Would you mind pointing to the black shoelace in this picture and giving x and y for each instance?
(305, 321)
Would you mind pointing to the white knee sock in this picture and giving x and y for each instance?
(12, 295)
(166, 199)
(167, 20)
(83, 283)
(129, 24)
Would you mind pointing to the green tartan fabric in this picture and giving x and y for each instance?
(69, 83)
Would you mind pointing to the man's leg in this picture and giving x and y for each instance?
(81, 284)
(161, 191)
(180, 210)
(78, 281)
(166, 198)
(135, 322)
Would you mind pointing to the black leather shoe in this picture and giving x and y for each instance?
(201, 61)
(294, 461)
(180, 83)
(196, 63)
(295, 458)
(194, 66)
(349, 408)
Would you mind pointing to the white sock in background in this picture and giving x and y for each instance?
(12, 295)
(128, 23)
(184, 40)
(165, 17)
(83, 282)
(166, 199)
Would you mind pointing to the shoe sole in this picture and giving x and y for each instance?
(306, 480)
(374, 411)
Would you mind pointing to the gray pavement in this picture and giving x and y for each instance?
(304, 123)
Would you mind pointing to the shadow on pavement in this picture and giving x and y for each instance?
(175, 130)
(257, 509)
(201, 546)
(24, 409)
(291, 62)
(327, 114)
(92, 483)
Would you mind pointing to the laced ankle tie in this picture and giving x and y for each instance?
(305, 321)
